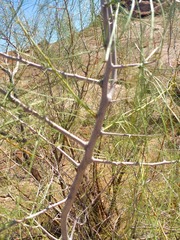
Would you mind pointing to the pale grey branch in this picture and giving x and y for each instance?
(42, 137)
(96, 132)
(31, 216)
(41, 67)
(43, 118)
(50, 236)
(126, 134)
(138, 164)
(42, 211)
(131, 65)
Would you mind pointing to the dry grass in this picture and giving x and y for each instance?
(113, 202)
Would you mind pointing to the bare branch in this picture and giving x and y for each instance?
(96, 132)
(31, 216)
(137, 164)
(42, 137)
(14, 71)
(41, 67)
(50, 236)
(43, 118)
(112, 34)
(131, 65)
(7, 71)
(144, 96)
(126, 134)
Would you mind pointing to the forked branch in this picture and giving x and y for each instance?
(106, 96)
(54, 125)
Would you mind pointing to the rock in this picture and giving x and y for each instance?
(143, 8)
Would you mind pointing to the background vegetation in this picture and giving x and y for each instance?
(51, 90)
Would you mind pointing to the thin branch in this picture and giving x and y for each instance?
(50, 236)
(16, 68)
(40, 135)
(131, 65)
(31, 216)
(41, 67)
(152, 53)
(112, 36)
(43, 118)
(126, 134)
(113, 54)
(137, 164)
(7, 71)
